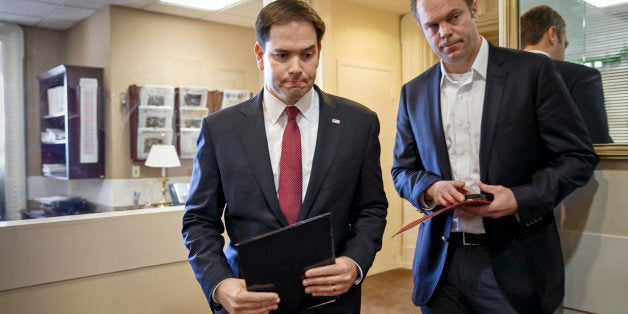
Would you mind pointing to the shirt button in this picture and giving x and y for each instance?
(444, 239)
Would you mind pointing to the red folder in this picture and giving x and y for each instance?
(471, 200)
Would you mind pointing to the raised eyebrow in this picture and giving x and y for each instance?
(429, 24)
(454, 12)
(449, 15)
(312, 47)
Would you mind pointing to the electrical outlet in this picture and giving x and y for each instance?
(135, 171)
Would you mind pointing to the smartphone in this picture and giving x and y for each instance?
(479, 197)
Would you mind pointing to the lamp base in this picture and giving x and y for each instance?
(164, 202)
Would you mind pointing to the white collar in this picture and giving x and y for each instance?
(539, 51)
(479, 65)
(275, 107)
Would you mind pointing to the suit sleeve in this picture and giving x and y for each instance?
(588, 94)
(369, 206)
(202, 223)
(410, 176)
(569, 159)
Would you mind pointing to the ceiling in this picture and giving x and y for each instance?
(62, 14)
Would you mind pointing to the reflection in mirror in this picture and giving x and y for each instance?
(597, 35)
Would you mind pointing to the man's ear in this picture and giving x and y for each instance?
(320, 47)
(259, 56)
(552, 36)
(474, 9)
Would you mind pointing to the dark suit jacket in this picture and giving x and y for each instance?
(533, 141)
(233, 175)
(585, 86)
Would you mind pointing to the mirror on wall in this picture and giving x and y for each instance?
(598, 37)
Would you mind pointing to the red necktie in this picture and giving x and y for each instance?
(290, 175)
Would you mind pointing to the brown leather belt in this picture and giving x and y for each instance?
(472, 200)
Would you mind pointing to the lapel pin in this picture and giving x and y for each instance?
(335, 121)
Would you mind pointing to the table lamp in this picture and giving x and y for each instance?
(164, 156)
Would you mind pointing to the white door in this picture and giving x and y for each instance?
(373, 86)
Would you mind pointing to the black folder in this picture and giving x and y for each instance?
(277, 261)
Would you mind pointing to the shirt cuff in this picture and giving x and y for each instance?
(214, 301)
(358, 280)
(426, 206)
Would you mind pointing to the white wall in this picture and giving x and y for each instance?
(593, 225)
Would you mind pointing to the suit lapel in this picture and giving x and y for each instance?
(330, 128)
(495, 81)
(436, 122)
(252, 135)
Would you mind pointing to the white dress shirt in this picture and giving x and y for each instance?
(275, 121)
(462, 101)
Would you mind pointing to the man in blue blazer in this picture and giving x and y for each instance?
(494, 121)
(237, 172)
(544, 31)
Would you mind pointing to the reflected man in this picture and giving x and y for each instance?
(544, 31)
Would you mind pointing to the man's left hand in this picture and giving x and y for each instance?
(331, 280)
(504, 202)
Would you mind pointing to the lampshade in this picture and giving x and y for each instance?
(164, 156)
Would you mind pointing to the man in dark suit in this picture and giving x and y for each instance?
(238, 172)
(544, 31)
(490, 120)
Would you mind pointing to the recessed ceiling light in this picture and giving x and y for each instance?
(605, 3)
(213, 5)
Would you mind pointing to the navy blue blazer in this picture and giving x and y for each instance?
(533, 141)
(232, 176)
(585, 86)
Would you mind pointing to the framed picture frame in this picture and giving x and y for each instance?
(147, 137)
(157, 96)
(192, 97)
(187, 142)
(155, 117)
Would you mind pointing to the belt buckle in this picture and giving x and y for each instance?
(464, 240)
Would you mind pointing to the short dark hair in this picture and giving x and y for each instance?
(537, 21)
(282, 12)
(413, 4)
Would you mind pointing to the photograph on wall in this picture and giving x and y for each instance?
(195, 97)
(157, 96)
(191, 118)
(147, 137)
(187, 143)
(155, 117)
(234, 96)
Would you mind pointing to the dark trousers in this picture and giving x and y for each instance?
(468, 284)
